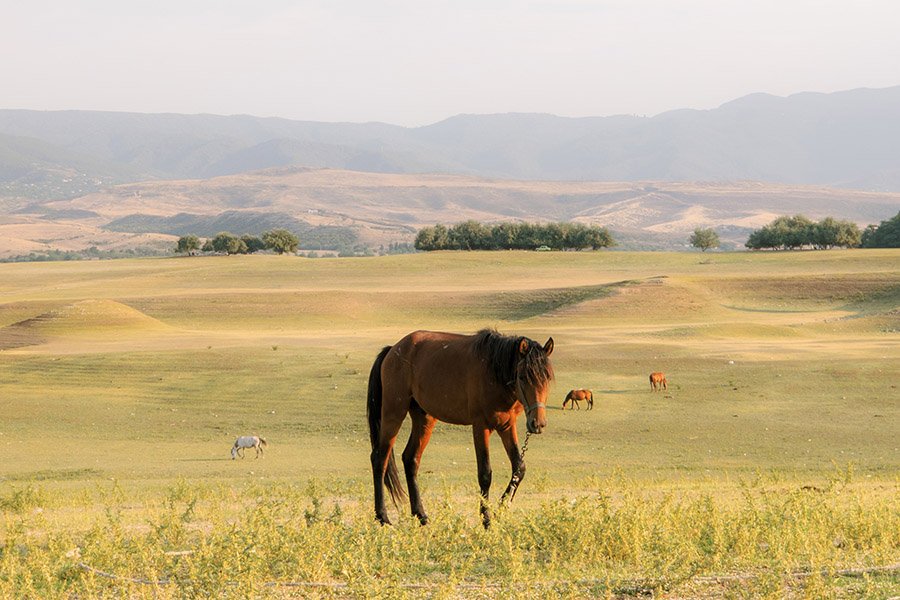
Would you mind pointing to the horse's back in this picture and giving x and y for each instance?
(428, 340)
(430, 353)
(439, 370)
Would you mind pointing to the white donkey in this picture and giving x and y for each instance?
(247, 441)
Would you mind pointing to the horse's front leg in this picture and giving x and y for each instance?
(511, 444)
(422, 426)
(481, 436)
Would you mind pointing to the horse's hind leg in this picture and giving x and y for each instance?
(422, 426)
(382, 464)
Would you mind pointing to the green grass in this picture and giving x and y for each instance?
(774, 451)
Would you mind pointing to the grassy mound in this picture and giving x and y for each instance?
(91, 317)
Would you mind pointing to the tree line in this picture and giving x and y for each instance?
(784, 232)
(278, 240)
(474, 235)
(884, 235)
(791, 233)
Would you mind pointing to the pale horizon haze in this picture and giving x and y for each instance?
(414, 63)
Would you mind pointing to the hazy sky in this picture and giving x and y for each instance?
(414, 62)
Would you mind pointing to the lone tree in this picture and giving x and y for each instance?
(281, 240)
(704, 239)
(187, 244)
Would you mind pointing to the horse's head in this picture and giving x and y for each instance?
(533, 375)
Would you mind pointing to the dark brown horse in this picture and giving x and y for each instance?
(658, 381)
(484, 380)
(576, 396)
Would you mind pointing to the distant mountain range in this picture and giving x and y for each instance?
(71, 180)
(846, 139)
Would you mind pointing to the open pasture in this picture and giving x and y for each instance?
(774, 451)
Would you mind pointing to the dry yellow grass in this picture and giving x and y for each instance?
(27, 235)
(129, 380)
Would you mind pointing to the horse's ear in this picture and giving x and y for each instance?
(523, 346)
(548, 347)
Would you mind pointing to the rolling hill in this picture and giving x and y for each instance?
(376, 208)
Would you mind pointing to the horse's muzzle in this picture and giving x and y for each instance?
(536, 424)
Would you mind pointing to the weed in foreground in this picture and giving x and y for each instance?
(619, 541)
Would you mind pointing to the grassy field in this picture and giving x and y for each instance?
(769, 468)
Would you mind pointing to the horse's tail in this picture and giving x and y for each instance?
(373, 413)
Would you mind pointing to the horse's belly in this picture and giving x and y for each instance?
(444, 407)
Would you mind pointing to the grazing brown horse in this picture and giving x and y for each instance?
(484, 380)
(658, 381)
(578, 395)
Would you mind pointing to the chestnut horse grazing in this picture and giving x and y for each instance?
(658, 381)
(578, 395)
(484, 380)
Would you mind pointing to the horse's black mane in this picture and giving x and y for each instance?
(502, 353)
